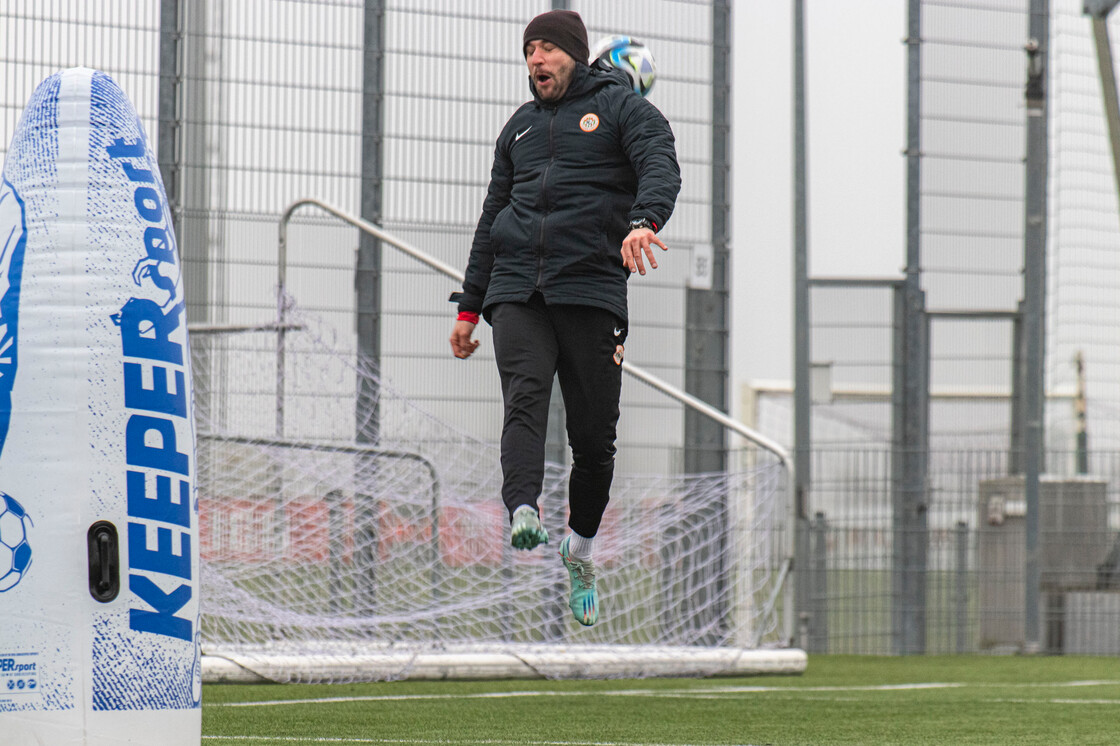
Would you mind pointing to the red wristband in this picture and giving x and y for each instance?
(468, 316)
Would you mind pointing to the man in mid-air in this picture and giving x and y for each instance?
(584, 176)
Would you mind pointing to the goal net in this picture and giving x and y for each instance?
(328, 560)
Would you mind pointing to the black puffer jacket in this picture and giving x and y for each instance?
(568, 177)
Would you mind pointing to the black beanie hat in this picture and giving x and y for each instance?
(564, 28)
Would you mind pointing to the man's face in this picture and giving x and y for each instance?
(550, 68)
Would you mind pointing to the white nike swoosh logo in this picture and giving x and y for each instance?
(519, 135)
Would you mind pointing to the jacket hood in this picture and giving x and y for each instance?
(585, 79)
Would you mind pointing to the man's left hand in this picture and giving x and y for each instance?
(640, 241)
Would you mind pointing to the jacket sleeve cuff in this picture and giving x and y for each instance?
(467, 316)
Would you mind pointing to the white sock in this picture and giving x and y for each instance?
(579, 547)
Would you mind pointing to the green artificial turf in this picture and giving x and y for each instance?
(838, 700)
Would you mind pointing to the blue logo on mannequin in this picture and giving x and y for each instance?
(15, 547)
(156, 501)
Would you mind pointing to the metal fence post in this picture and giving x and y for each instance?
(1034, 302)
(802, 411)
(818, 620)
(706, 339)
(961, 595)
(554, 580)
(911, 389)
(367, 280)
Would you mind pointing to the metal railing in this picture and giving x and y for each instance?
(646, 377)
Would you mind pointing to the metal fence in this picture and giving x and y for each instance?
(937, 504)
(974, 584)
(388, 110)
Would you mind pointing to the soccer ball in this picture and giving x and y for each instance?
(15, 551)
(632, 57)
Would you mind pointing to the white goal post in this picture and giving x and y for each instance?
(327, 562)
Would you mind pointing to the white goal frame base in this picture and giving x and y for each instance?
(261, 664)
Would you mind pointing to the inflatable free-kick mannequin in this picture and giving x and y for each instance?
(99, 568)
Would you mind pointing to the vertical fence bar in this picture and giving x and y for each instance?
(961, 596)
(911, 393)
(818, 621)
(802, 473)
(367, 271)
(1034, 301)
(168, 132)
(552, 508)
(706, 331)
(368, 276)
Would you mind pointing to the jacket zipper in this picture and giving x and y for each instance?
(548, 208)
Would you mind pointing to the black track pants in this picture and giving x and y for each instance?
(533, 343)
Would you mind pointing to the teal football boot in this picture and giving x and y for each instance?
(584, 600)
(527, 531)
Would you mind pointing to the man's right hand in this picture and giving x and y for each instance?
(461, 343)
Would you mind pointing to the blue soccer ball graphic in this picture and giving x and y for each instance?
(631, 57)
(15, 550)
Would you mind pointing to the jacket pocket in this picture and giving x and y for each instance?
(498, 237)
